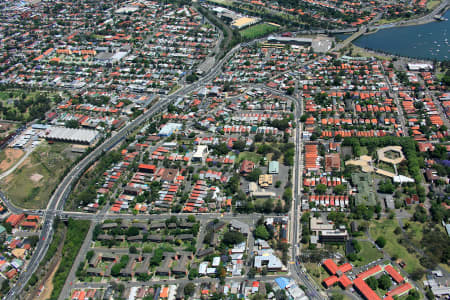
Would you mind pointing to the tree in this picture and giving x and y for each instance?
(231, 238)
(251, 273)
(5, 287)
(132, 231)
(254, 174)
(372, 282)
(261, 232)
(356, 246)
(72, 124)
(321, 188)
(191, 78)
(239, 145)
(290, 90)
(413, 295)
(89, 255)
(417, 274)
(221, 149)
(381, 241)
(337, 297)
(133, 250)
(115, 270)
(189, 289)
(352, 256)
(384, 282)
(193, 273)
(339, 189)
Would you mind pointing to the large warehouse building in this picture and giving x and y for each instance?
(71, 135)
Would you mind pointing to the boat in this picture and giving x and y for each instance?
(440, 18)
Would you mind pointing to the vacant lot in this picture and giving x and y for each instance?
(32, 184)
(257, 31)
(254, 157)
(9, 157)
(386, 228)
(367, 254)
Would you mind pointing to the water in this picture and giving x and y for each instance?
(427, 41)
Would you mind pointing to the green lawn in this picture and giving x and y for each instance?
(386, 167)
(364, 151)
(432, 4)
(367, 254)
(386, 228)
(254, 157)
(257, 31)
(225, 2)
(317, 272)
(48, 161)
(415, 232)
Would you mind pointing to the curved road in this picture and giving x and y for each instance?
(59, 197)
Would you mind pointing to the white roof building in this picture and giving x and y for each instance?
(72, 135)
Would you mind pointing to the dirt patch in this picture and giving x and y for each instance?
(48, 284)
(36, 177)
(11, 157)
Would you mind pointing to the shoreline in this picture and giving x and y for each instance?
(410, 22)
(422, 21)
(386, 55)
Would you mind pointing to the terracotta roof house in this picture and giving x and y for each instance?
(332, 162)
(247, 166)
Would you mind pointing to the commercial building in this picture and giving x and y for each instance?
(274, 167)
(200, 153)
(170, 128)
(265, 180)
(323, 232)
(244, 22)
(72, 135)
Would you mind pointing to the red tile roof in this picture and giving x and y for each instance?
(345, 281)
(345, 267)
(400, 290)
(372, 271)
(330, 281)
(394, 274)
(365, 290)
(330, 266)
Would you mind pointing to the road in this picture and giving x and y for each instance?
(96, 285)
(397, 102)
(17, 164)
(295, 269)
(60, 195)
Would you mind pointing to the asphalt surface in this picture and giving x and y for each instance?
(60, 195)
(294, 269)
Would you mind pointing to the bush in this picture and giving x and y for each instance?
(384, 282)
(232, 238)
(261, 233)
(372, 282)
(381, 242)
(76, 233)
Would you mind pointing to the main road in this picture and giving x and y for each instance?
(295, 270)
(60, 195)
